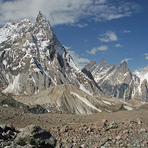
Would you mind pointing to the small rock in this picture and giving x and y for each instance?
(104, 121)
(103, 140)
(145, 142)
(125, 132)
(62, 130)
(142, 130)
(113, 125)
(9, 127)
(125, 136)
(139, 121)
(1, 129)
(118, 137)
(58, 145)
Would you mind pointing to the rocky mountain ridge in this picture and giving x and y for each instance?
(32, 59)
(67, 98)
(119, 81)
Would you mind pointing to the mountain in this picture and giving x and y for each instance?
(32, 59)
(119, 81)
(67, 98)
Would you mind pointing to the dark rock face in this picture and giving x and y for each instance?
(37, 109)
(90, 76)
(8, 101)
(118, 81)
(32, 59)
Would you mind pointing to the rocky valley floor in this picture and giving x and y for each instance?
(121, 129)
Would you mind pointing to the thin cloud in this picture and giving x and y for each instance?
(92, 51)
(108, 37)
(102, 48)
(80, 62)
(81, 25)
(95, 49)
(118, 45)
(127, 59)
(66, 11)
(127, 31)
(146, 56)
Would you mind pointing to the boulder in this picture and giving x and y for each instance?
(34, 135)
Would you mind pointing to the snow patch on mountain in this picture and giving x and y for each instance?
(13, 87)
(85, 101)
(106, 102)
(142, 74)
(84, 89)
(128, 107)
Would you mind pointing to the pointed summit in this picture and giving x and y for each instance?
(42, 26)
(41, 20)
(123, 67)
(102, 63)
(91, 66)
(40, 17)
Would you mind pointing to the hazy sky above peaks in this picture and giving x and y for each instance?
(115, 30)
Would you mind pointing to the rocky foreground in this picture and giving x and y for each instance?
(118, 129)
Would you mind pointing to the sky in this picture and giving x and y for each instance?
(115, 30)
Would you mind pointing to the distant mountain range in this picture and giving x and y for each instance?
(119, 81)
(33, 62)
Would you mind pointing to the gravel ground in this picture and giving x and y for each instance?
(121, 129)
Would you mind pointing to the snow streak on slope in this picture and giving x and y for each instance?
(86, 101)
(128, 107)
(106, 102)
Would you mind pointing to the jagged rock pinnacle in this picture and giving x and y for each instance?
(44, 27)
(123, 67)
(40, 17)
(90, 66)
(102, 63)
(41, 20)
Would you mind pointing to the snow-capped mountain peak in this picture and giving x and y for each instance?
(32, 59)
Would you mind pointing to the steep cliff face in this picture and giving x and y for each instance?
(141, 87)
(118, 81)
(32, 59)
